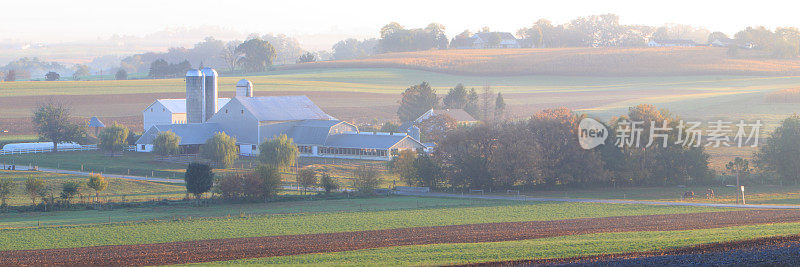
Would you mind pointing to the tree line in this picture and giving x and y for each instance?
(543, 152)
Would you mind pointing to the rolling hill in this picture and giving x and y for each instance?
(658, 61)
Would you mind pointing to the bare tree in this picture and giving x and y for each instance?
(230, 55)
(487, 103)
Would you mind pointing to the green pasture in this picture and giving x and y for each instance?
(544, 248)
(130, 163)
(306, 223)
(186, 211)
(117, 190)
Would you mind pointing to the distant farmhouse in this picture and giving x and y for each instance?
(671, 43)
(483, 40)
(251, 120)
(461, 117)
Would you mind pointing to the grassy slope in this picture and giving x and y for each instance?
(556, 247)
(117, 188)
(755, 194)
(305, 223)
(133, 163)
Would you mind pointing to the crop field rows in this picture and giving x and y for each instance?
(364, 95)
(271, 246)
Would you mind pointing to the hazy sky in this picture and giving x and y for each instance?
(48, 21)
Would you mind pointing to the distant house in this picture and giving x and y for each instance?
(731, 42)
(461, 117)
(671, 43)
(483, 40)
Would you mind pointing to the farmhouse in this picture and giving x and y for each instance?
(251, 120)
(483, 40)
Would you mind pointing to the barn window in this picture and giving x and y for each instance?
(243, 111)
(151, 109)
(163, 109)
(226, 111)
(143, 147)
(253, 147)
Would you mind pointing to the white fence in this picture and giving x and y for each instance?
(46, 150)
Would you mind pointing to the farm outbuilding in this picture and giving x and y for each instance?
(251, 120)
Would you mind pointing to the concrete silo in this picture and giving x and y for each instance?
(210, 87)
(244, 88)
(195, 97)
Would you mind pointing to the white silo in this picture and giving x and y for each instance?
(244, 88)
(195, 96)
(210, 87)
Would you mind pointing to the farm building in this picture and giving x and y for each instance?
(671, 43)
(168, 111)
(251, 120)
(459, 115)
(483, 40)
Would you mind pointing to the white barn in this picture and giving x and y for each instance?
(251, 120)
(168, 111)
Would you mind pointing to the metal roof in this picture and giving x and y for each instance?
(244, 83)
(190, 134)
(283, 108)
(179, 105)
(312, 132)
(458, 114)
(209, 72)
(371, 141)
(95, 122)
(194, 73)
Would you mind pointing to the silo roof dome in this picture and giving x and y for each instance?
(243, 82)
(209, 71)
(194, 73)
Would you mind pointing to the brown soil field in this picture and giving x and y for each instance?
(582, 61)
(239, 248)
(780, 251)
(120, 107)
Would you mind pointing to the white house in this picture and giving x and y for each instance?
(483, 40)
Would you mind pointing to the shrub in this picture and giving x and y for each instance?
(306, 178)
(367, 180)
(199, 177)
(403, 165)
(328, 183)
(113, 138)
(6, 187)
(221, 149)
(232, 187)
(166, 143)
(98, 183)
(270, 179)
(69, 190)
(279, 152)
(35, 188)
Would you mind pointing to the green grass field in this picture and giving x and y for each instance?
(313, 222)
(117, 190)
(554, 247)
(132, 163)
(69, 218)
